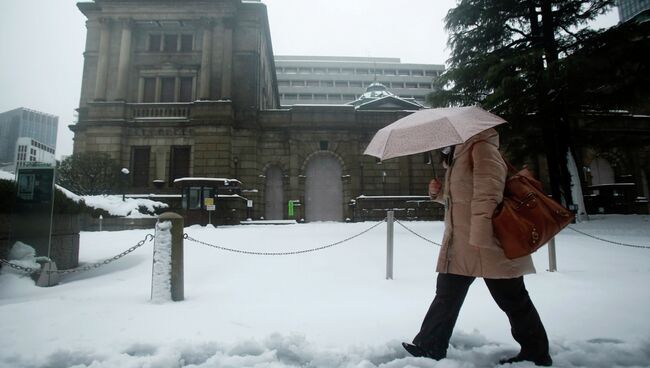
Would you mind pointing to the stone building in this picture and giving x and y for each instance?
(188, 89)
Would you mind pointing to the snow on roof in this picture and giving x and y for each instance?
(206, 179)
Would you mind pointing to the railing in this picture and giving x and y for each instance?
(171, 111)
(117, 110)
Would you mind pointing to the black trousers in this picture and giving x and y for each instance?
(509, 294)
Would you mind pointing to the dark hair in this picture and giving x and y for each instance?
(447, 157)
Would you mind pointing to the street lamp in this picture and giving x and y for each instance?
(125, 177)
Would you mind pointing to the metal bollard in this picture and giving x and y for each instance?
(552, 259)
(168, 259)
(390, 219)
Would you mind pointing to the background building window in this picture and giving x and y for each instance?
(149, 91)
(140, 166)
(185, 89)
(154, 42)
(186, 43)
(167, 89)
(179, 163)
(170, 43)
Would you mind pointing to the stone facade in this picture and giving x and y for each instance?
(228, 124)
(188, 89)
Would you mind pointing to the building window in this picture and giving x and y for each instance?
(140, 166)
(193, 198)
(187, 41)
(186, 87)
(149, 90)
(179, 163)
(154, 42)
(324, 145)
(167, 89)
(170, 43)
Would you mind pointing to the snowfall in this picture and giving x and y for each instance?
(330, 307)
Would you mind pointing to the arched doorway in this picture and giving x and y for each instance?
(601, 172)
(323, 189)
(273, 194)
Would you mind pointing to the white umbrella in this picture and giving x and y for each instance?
(430, 129)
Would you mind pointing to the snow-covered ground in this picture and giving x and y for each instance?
(327, 308)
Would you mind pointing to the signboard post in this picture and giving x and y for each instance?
(209, 206)
(32, 217)
(249, 207)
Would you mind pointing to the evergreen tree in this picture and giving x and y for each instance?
(506, 56)
(89, 173)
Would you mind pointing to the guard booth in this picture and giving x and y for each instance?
(215, 201)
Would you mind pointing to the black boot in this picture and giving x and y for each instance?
(544, 361)
(420, 352)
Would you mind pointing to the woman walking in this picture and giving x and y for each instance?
(474, 184)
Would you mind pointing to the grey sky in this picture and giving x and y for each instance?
(43, 43)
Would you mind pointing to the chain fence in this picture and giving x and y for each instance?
(609, 241)
(416, 234)
(569, 227)
(30, 270)
(186, 236)
(150, 237)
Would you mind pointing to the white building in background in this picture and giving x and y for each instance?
(627, 9)
(35, 131)
(29, 150)
(341, 80)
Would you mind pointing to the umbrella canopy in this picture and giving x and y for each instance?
(430, 129)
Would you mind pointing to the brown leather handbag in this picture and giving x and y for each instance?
(527, 218)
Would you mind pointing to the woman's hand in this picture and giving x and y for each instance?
(434, 188)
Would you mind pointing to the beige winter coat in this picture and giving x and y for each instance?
(472, 190)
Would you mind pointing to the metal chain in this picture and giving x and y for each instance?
(148, 237)
(186, 236)
(416, 234)
(609, 241)
(18, 267)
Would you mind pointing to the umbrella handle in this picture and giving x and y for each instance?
(433, 167)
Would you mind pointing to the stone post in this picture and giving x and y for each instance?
(390, 219)
(167, 279)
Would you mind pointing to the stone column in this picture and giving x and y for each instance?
(226, 68)
(102, 59)
(125, 60)
(206, 60)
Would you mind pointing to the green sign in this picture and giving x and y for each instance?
(32, 217)
(290, 208)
